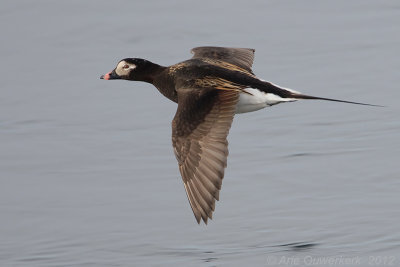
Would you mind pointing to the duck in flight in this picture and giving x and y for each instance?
(210, 88)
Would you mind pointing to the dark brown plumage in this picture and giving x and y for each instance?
(207, 89)
(206, 107)
(199, 131)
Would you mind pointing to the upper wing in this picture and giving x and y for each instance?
(241, 57)
(199, 131)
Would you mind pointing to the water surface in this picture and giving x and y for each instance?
(87, 172)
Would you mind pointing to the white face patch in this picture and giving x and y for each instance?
(123, 68)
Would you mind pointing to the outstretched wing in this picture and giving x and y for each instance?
(241, 57)
(199, 137)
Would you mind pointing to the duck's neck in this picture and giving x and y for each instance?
(161, 79)
(152, 71)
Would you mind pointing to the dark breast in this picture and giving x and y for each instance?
(177, 76)
(197, 74)
(165, 83)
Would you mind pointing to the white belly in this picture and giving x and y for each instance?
(258, 100)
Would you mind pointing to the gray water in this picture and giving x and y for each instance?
(87, 172)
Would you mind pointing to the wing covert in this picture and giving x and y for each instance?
(241, 57)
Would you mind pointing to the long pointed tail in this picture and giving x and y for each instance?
(301, 96)
(268, 87)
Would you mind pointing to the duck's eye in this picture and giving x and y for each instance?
(125, 67)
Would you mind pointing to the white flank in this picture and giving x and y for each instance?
(257, 99)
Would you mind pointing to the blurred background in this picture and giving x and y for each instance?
(87, 171)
